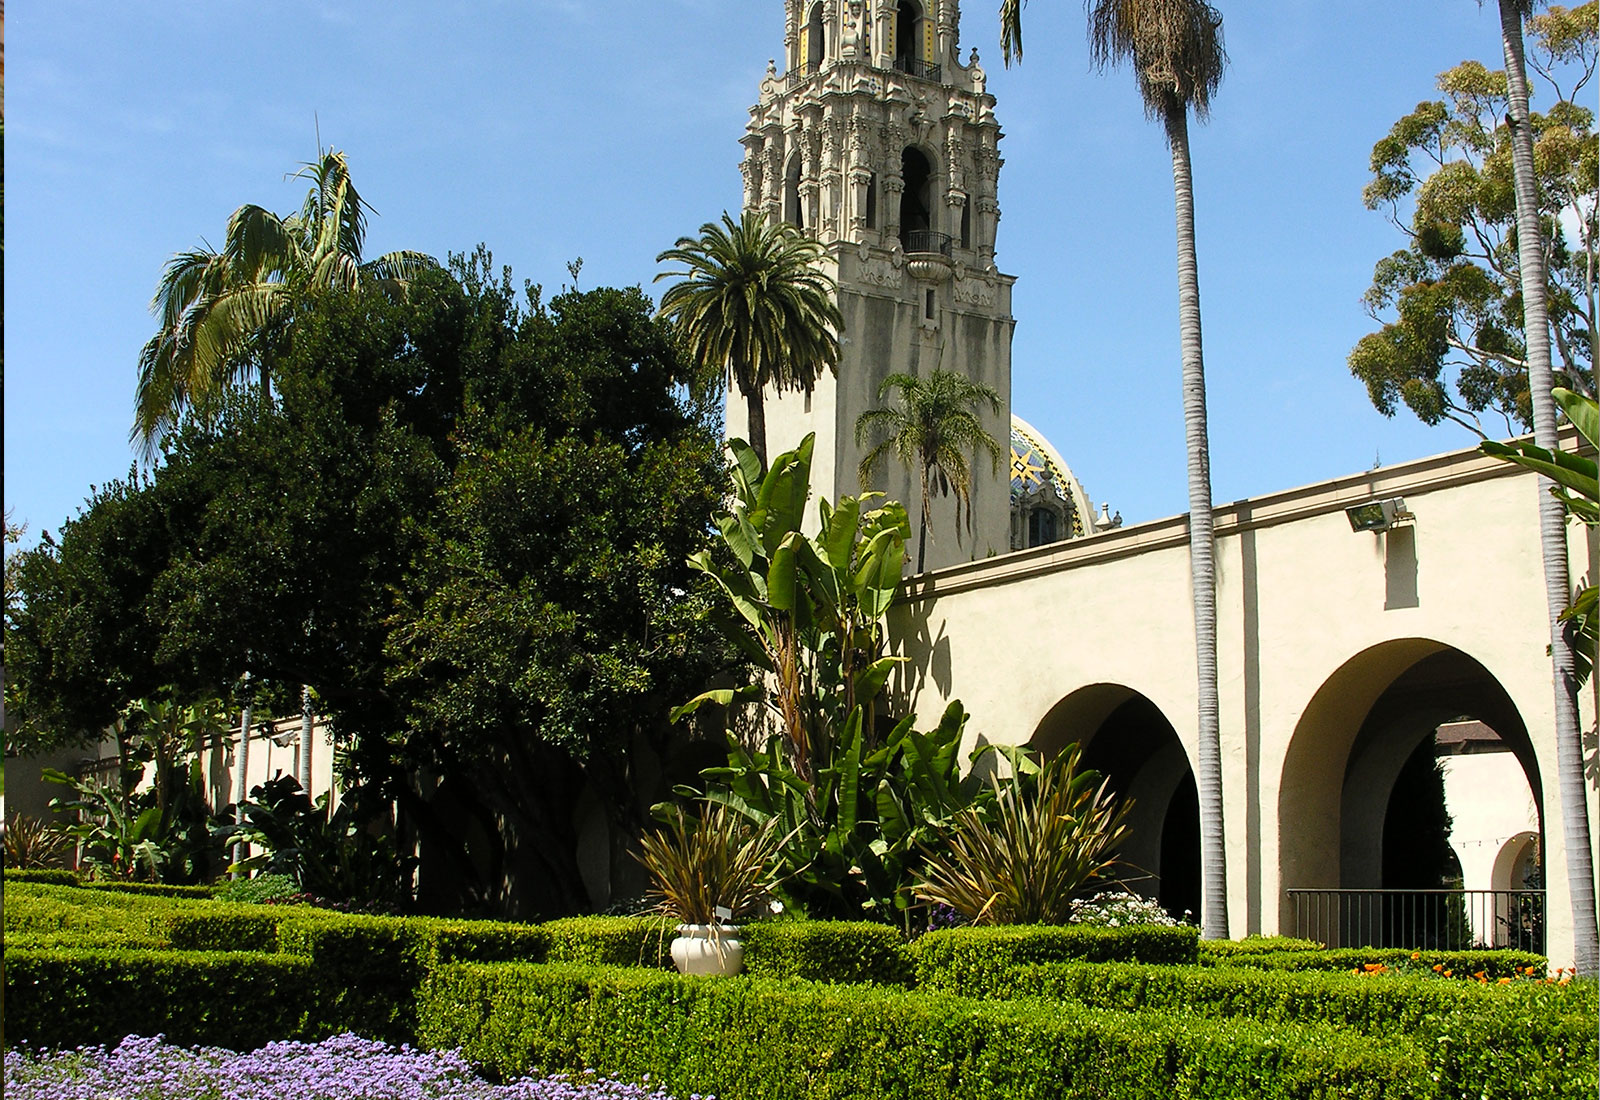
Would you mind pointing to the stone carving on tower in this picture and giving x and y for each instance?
(878, 141)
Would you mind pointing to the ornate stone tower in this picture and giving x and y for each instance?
(880, 143)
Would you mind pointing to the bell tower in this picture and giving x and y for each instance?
(878, 141)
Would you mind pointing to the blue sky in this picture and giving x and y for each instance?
(552, 129)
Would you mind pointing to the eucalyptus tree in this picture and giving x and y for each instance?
(1552, 516)
(754, 310)
(931, 430)
(1176, 52)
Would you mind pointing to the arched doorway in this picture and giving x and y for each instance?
(908, 36)
(1406, 752)
(916, 201)
(1127, 739)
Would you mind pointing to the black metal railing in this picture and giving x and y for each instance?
(803, 71)
(917, 67)
(1444, 920)
(926, 240)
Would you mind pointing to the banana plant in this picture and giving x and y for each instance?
(808, 610)
(852, 836)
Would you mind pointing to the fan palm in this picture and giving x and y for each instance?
(1175, 49)
(219, 310)
(933, 429)
(754, 311)
(1552, 519)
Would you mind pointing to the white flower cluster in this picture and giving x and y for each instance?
(1119, 909)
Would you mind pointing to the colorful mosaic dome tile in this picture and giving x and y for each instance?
(1031, 467)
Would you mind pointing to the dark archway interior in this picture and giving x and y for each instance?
(907, 32)
(1395, 823)
(916, 212)
(792, 212)
(1136, 749)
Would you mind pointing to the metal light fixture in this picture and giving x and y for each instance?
(1378, 515)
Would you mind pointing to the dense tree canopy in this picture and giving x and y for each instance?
(463, 518)
(1452, 344)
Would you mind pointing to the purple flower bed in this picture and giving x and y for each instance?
(342, 1068)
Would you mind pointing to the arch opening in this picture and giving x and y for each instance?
(793, 213)
(1406, 773)
(816, 40)
(1126, 738)
(916, 205)
(908, 33)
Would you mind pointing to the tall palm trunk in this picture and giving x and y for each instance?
(756, 423)
(1202, 563)
(1552, 517)
(241, 768)
(306, 723)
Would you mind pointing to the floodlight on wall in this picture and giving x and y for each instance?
(1378, 515)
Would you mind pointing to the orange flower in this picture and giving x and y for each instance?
(1505, 981)
(1530, 970)
(1438, 968)
(1447, 973)
(1375, 968)
(1416, 955)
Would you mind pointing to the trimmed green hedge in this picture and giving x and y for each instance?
(826, 951)
(1462, 964)
(611, 941)
(758, 1039)
(154, 889)
(976, 962)
(1556, 1019)
(1220, 951)
(66, 997)
(51, 876)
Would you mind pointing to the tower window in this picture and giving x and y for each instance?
(816, 40)
(791, 194)
(908, 36)
(966, 224)
(916, 211)
(872, 201)
(1041, 527)
(929, 305)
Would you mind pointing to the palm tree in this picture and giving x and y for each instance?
(219, 311)
(1552, 517)
(1175, 49)
(933, 429)
(754, 311)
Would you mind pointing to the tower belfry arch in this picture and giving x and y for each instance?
(880, 142)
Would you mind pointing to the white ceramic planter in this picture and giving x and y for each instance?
(708, 949)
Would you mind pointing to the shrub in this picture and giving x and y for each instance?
(220, 926)
(1492, 965)
(1047, 834)
(977, 961)
(1222, 951)
(53, 877)
(717, 861)
(744, 1038)
(258, 890)
(611, 941)
(154, 889)
(63, 997)
(826, 951)
(367, 971)
(1119, 909)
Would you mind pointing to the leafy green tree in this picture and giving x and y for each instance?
(931, 430)
(754, 311)
(1175, 49)
(1454, 343)
(220, 310)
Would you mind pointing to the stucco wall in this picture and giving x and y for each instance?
(1315, 622)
